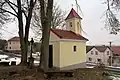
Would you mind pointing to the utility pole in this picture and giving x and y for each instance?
(110, 54)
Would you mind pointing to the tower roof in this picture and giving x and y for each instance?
(73, 14)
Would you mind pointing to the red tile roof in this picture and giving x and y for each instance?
(116, 50)
(64, 34)
(73, 14)
(99, 48)
(14, 39)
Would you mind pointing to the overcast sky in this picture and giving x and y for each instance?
(92, 22)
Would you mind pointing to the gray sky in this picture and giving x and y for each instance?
(92, 23)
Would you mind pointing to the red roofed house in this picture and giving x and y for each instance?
(116, 55)
(68, 47)
(13, 45)
(98, 54)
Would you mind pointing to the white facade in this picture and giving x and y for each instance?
(13, 45)
(96, 56)
(116, 61)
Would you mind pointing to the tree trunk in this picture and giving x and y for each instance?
(41, 56)
(24, 38)
(42, 12)
(46, 24)
(20, 25)
(27, 27)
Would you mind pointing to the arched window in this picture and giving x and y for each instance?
(74, 48)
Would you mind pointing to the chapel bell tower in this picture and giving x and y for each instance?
(73, 22)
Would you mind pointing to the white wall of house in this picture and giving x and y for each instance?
(107, 54)
(13, 45)
(116, 61)
(95, 56)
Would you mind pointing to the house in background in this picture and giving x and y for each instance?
(67, 48)
(13, 45)
(98, 54)
(116, 55)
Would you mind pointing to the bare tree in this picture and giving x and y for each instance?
(111, 21)
(57, 19)
(46, 18)
(22, 10)
(4, 17)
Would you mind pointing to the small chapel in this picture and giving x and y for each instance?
(67, 49)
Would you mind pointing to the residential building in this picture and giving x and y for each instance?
(116, 55)
(98, 54)
(13, 45)
(67, 48)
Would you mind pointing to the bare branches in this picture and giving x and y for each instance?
(3, 10)
(24, 13)
(58, 17)
(111, 21)
(6, 7)
(4, 18)
(13, 3)
(10, 4)
(115, 4)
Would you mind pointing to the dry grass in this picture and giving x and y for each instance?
(23, 73)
